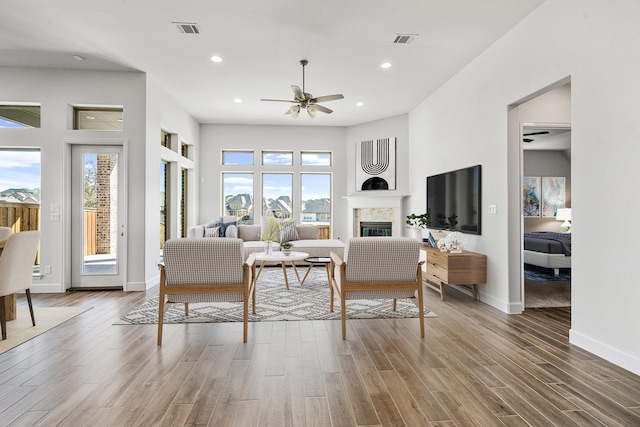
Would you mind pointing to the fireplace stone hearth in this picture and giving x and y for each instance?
(375, 209)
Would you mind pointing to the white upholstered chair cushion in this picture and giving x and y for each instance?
(204, 261)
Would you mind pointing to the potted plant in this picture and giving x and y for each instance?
(418, 223)
(286, 248)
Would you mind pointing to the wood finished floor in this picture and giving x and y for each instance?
(476, 367)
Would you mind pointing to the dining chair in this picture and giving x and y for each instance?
(5, 232)
(16, 270)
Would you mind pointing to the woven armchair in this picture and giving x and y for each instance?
(204, 270)
(377, 268)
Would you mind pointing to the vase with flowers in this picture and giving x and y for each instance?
(269, 234)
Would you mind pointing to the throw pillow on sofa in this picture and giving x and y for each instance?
(231, 231)
(288, 230)
(225, 226)
(214, 223)
(212, 232)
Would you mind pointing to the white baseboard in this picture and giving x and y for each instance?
(504, 306)
(136, 287)
(143, 286)
(47, 288)
(613, 355)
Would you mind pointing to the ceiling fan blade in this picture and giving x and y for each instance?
(279, 100)
(536, 133)
(323, 109)
(297, 92)
(326, 98)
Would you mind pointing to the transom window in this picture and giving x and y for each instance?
(310, 158)
(19, 116)
(237, 157)
(90, 118)
(277, 158)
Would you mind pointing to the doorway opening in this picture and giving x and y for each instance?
(546, 192)
(98, 212)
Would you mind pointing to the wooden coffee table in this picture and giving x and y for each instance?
(282, 259)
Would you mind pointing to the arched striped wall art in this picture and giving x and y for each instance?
(376, 165)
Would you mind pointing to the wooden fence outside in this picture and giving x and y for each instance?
(21, 217)
(26, 217)
(90, 231)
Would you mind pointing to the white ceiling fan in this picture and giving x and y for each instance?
(303, 99)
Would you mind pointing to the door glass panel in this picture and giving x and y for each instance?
(100, 201)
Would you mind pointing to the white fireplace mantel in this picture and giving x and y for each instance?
(377, 201)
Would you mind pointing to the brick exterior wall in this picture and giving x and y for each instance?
(107, 207)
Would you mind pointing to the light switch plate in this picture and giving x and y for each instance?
(493, 209)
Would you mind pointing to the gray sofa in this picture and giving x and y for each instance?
(309, 240)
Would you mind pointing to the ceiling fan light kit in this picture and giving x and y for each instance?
(305, 100)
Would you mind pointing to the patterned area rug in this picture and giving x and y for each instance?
(273, 302)
(542, 274)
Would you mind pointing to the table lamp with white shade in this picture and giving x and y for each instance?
(564, 214)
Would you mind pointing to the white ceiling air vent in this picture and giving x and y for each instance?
(187, 27)
(404, 38)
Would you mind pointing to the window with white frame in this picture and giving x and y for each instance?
(284, 188)
(237, 196)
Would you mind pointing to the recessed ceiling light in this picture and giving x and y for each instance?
(385, 65)
(90, 118)
(216, 58)
(237, 100)
(359, 104)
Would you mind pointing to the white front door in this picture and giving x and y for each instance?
(98, 213)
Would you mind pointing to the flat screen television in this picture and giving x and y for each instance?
(454, 200)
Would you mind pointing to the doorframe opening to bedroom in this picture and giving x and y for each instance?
(548, 107)
(546, 176)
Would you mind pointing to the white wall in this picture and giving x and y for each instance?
(164, 113)
(56, 90)
(465, 122)
(147, 109)
(215, 138)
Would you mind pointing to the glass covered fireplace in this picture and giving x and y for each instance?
(375, 229)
